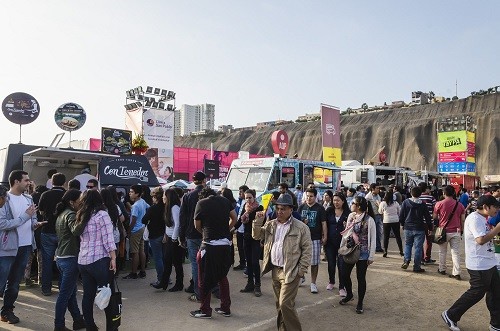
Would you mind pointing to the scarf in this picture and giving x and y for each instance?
(249, 208)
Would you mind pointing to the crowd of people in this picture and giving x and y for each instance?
(89, 230)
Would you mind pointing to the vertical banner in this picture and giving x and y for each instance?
(158, 126)
(133, 120)
(211, 169)
(330, 134)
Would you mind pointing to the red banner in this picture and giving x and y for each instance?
(452, 157)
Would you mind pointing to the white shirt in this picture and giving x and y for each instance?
(18, 205)
(390, 212)
(478, 257)
(84, 179)
(277, 257)
(173, 231)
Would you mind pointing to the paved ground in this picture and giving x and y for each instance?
(396, 300)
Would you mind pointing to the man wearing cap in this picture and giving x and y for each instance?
(481, 265)
(287, 254)
(188, 235)
(298, 192)
(84, 178)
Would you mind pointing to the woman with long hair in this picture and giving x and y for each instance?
(155, 223)
(120, 247)
(360, 228)
(327, 199)
(336, 216)
(114, 212)
(390, 209)
(97, 255)
(67, 261)
(253, 249)
(174, 254)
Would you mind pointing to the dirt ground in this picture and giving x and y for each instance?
(396, 299)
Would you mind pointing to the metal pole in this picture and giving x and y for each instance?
(20, 126)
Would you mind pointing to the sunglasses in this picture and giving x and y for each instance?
(90, 186)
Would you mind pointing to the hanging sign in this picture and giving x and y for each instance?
(70, 116)
(279, 141)
(20, 108)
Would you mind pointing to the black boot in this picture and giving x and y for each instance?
(249, 288)
(190, 288)
(176, 288)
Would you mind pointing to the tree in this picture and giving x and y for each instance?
(364, 106)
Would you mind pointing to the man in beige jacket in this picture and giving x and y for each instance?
(284, 236)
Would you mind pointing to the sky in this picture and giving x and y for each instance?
(254, 60)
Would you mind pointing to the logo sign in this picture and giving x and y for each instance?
(70, 116)
(127, 170)
(330, 134)
(211, 168)
(279, 141)
(116, 141)
(20, 108)
(382, 157)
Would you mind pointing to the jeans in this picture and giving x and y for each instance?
(68, 269)
(379, 229)
(241, 248)
(157, 249)
(15, 274)
(332, 256)
(193, 246)
(49, 246)
(454, 238)
(481, 282)
(414, 238)
(94, 275)
(206, 295)
(252, 254)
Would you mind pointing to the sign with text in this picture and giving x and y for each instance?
(20, 108)
(70, 116)
(116, 141)
(330, 134)
(126, 171)
(279, 141)
(158, 129)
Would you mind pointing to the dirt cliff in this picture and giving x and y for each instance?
(408, 134)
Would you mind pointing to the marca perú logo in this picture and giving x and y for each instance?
(150, 122)
(330, 129)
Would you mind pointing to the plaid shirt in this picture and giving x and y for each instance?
(96, 240)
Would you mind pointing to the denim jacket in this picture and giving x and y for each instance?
(9, 239)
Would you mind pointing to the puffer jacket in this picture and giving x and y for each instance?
(297, 247)
(9, 239)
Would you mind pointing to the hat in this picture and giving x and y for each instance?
(86, 170)
(199, 176)
(475, 192)
(487, 200)
(284, 200)
(298, 186)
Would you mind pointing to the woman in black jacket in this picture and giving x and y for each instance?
(154, 220)
(336, 216)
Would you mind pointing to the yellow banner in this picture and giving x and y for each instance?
(322, 175)
(332, 154)
(471, 137)
(452, 141)
(266, 199)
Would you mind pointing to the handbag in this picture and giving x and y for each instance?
(439, 232)
(350, 254)
(114, 310)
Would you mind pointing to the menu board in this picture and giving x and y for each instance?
(116, 141)
(20, 108)
(70, 116)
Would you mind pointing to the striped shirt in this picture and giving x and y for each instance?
(277, 257)
(429, 201)
(96, 240)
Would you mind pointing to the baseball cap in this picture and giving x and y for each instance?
(487, 200)
(199, 176)
(284, 200)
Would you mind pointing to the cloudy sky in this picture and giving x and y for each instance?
(255, 60)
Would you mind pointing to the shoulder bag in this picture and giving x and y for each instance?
(439, 232)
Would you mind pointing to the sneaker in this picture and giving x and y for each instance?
(457, 277)
(429, 261)
(405, 265)
(79, 324)
(142, 274)
(47, 293)
(442, 272)
(8, 316)
(419, 270)
(130, 276)
(359, 309)
(194, 298)
(222, 312)
(248, 288)
(29, 282)
(342, 292)
(199, 314)
(329, 287)
(239, 267)
(257, 291)
(451, 325)
(314, 288)
(190, 288)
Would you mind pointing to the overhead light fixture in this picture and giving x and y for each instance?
(170, 107)
(155, 104)
(129, 94)
(132, 97)
(161, 105)
(138, 104)
(140, 97)
(149, 89)
(148, 103)
(157, 91)
(136, 90)
(164, 93)
(140, 89)
(171, 95)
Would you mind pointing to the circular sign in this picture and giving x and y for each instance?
(20, 108)
(382, 157)
(70, 116)
(279, 141)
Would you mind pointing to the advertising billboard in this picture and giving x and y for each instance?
(330, 134)
(456, 152)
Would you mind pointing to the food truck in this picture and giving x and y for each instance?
(265, 174)
(355, 173)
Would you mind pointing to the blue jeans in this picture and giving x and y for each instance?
(15, 274)
(414, 238)
(68, 269)
(94, 275)
(157, 249)
(379, 227)
(193, 246)
(49, 246)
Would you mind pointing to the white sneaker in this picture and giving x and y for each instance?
(342, 292)
(329, 287)
(451, 325)
(314, 288)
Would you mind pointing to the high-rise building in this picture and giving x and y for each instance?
(195, 118)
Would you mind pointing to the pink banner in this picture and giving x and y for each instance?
(330, 126)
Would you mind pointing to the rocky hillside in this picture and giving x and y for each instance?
(408, 134)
